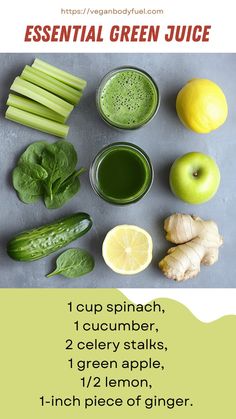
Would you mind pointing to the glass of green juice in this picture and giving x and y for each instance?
(121, 173)
(127, 98)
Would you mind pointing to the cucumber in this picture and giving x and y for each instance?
(40, 242)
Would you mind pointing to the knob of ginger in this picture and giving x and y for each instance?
(198, 242)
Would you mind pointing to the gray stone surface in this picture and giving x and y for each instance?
(163, 139)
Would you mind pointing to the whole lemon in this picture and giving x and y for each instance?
(201, 106)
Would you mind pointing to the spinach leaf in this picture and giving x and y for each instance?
(28, 198)
(59, 160)
(27, 180)
(56, 164)
(69, 150)
(33, 153)
(72, 161)
(73, 263)
(65, 192)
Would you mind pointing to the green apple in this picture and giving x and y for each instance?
(194, 178)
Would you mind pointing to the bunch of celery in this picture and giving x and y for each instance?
(48, 96)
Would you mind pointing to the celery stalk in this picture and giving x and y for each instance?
(33, 107)
(52, 85)
(41, 96)
(59, 74)
(36, 122)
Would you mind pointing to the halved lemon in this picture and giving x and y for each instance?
(127, 249)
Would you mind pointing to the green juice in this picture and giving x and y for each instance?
(121, 173)
(128, 98)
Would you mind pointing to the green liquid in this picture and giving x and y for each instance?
(123, 174)
(128, 99)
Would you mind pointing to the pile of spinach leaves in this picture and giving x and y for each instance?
(47, 171)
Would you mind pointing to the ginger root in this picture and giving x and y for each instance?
(198, 242)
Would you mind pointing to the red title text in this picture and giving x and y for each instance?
(117, 33)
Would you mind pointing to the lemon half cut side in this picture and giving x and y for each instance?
(127, 249)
